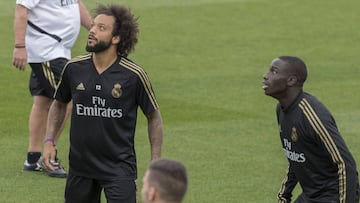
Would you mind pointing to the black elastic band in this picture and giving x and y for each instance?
(57, 38)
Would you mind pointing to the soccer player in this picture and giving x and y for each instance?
(317, 154)
(45, 32)
(106, 89)
(165, 181)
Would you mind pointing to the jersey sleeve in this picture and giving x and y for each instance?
(287, 186)
(290, 180)
(328, 136)
(146, 96)
(29, 4)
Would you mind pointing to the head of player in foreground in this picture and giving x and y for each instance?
(165, 181)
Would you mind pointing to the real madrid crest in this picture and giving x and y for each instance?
(116, 92)
(294, 136)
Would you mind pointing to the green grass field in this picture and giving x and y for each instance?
(206, 60)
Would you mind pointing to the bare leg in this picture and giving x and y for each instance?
(37, 130)
(37, 122)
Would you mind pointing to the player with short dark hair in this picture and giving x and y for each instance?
(318, 156)
(106, 89)
(165, 181)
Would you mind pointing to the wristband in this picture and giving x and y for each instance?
(20, 46)
(49, 139)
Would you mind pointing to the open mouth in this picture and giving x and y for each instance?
(91, 38)
(265, 86)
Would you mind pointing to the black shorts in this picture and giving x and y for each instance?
(81, 189)
(45, 77)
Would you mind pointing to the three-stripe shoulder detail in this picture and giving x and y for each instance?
(80, 58)
(143, 77)
(75, 59)
(329, 143)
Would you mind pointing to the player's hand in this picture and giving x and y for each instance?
(49, 155)
(20, 58)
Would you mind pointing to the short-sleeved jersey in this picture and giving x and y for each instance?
(318, 156)
(104, 116)
(59, 18)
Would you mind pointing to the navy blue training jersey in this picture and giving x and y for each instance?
(104, 116)
(318, 156)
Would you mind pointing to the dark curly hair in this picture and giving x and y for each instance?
(125, 26)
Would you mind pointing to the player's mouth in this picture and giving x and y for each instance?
(265, 86)
(91, 38)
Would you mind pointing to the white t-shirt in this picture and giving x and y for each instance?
(57, 17)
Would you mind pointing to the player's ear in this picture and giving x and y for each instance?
(116, 39)
(152, 193)
(292, 80)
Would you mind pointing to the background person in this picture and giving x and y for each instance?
(318, 156)
(106, 89)
(45, 31)
(165, 181)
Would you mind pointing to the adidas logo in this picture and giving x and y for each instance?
(80, 87)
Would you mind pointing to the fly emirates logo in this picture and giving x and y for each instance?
(292, 155)
(98, 109)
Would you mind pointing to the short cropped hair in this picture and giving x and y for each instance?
(125, 26)
(297, 67)
(170, 178)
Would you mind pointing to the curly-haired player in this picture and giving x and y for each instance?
(106, 89)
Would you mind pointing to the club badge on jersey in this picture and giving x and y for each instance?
(116, 91)
(294, 136)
